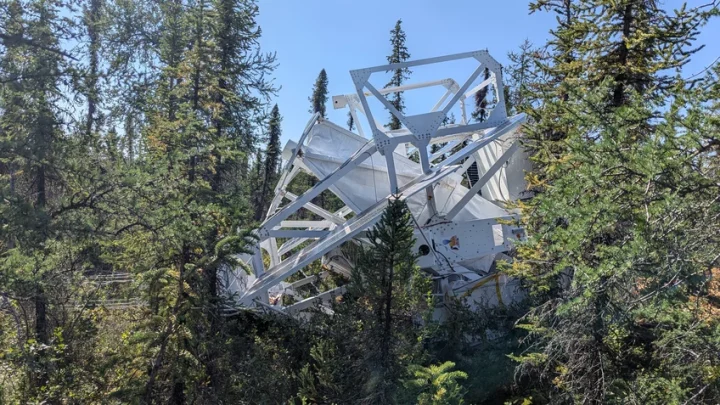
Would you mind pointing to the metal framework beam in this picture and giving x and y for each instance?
(292, 233)
(481, 182)
(305, 224)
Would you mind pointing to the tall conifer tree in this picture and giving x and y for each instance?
(391, 292)
(559, 67)
(318, 99)
(372, 337)
(30, 132)
(272, 162)
(521, 77)
(481, 102)
(350, 122)
(399, 53)
(600, 261)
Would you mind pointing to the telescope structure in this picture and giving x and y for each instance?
(456, 178)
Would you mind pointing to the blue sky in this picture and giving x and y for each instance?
(340, 35)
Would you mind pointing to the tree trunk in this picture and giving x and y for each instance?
(92, 90)
(40, 301)
(130, 136)
(387, 327)
(621, 78)
(568, 58)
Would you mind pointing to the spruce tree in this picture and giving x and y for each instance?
(436, 384)
(601, 262)
(391, 293)
(399, 53)
(319, 97)
(256, 184)
(242, 85)
(350, 122)
(129, 140)
(521, 78)
(30, 132)
(361, 353)
(271, 164)
(318, 101)
(559, 68)
(93, 26)
(481, 102)
(479, 114)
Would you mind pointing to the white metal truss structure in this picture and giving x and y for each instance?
(461, 228)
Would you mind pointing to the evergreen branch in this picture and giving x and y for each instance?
(12, 40)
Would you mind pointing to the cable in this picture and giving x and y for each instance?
(447, 261)
(449, 195)
(435, 253)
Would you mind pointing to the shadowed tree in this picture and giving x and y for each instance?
(399, 53)
(319, 97)
(272, 162)
(350, 122)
